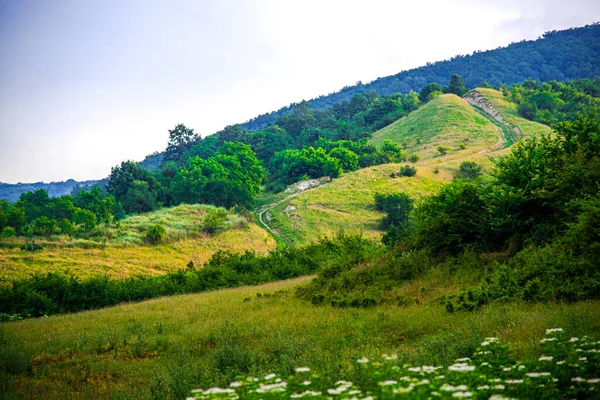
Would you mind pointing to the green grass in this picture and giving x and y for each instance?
(126, 254)
(347, 202)
(167, 346)
(446, 120)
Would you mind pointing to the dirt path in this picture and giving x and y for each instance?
(509, 133)
(263, 213)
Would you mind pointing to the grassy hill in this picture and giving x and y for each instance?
(163, 348)
(126, 254)
(446, 120)
(347, 203)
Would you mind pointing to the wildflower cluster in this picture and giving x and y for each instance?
(569, 367)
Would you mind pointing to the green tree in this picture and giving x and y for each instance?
(411, 101)
(156, 234)
(468, 170)
(456, 86)
(122, 179)
(443, 150)
(66, 227)
(139, 199)
(429, 91)
(181, 139)
(347, 158)
(85, 218)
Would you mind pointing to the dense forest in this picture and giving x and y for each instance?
(557, 55)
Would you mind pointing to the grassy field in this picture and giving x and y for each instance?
(347, 203)
(164, 347)
(446, 120)
(126, 254)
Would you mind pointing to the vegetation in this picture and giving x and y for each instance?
(121, 251)
(491, 372)
(557, 55)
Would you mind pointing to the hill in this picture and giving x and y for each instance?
(445, 120)
(12, 192)
(126, 254)
(348, 202)
(557, 55)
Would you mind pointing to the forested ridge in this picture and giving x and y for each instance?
(557, 55)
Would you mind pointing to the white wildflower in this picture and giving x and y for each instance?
(578, 379)
(547, 339)
(390, 358)
(499, 387)
(274, 387)
(521, 367)
(514, 381)
(423, 382)
(537, 374)
(462, 394)
(235, 384)
(449, 388)
(465, 359)
(485, 363)
(486, 343)
(217, 390)
(362, 360)
(545, 358)
(594, 380)
(573, 339)
(302, 369)
(462, 367)
(552, 330)
(269, 377)
(506, 369)
(582, 358)
(484, 387)
(388, 383)
(404, 389)
(498, 397)
(306, 383)
(560, 362)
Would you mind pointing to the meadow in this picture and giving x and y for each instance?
(126, 254)
(163, 348)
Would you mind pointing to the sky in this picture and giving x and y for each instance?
(87, 84)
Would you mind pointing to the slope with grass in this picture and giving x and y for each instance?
(347, 203)
(163, 348)
(125, 253)
(446, 120)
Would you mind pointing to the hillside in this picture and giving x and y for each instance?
(445, 120)
(557, 55)
(347, 203)
(126, 254)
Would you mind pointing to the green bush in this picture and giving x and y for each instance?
(214, 220)
(407, 170)
(468, 170)
(156, 234)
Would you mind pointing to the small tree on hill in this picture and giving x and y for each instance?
(468, 170)
(456, 86)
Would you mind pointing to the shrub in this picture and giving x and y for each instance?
(443, 150)
(407, 170)
(156, 234)
(413, 158)
(214, 220)
(468, 170)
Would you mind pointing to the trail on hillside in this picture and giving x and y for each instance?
(509, 133)
(264, 212)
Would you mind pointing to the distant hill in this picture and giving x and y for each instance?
(557, 55)
(12, 192)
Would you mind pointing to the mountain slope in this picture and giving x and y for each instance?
(348, 203)
(557, 55)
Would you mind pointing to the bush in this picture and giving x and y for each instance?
(443, 150)
(407, 170)
(214, 220)
(156, 234)
(413, 158)
(468, 170)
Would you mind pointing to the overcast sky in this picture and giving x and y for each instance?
(86, 84)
